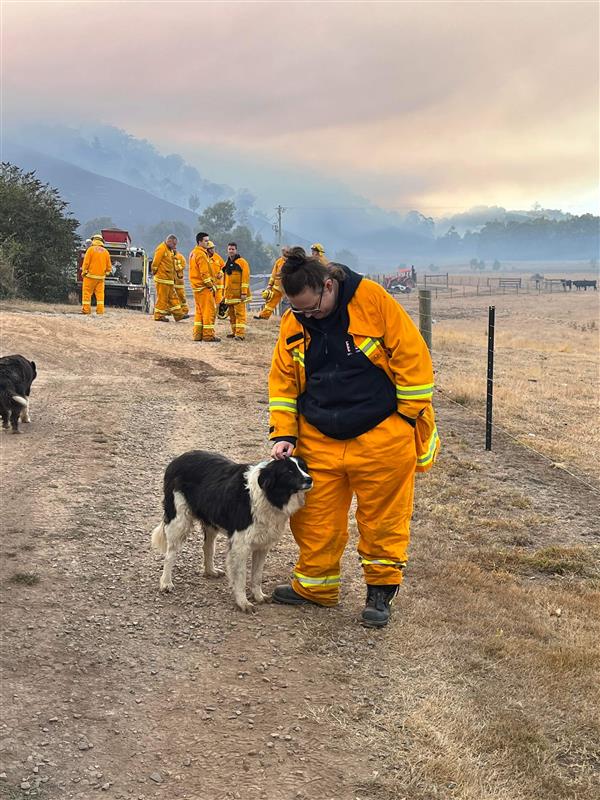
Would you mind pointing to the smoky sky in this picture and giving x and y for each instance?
(436, 104)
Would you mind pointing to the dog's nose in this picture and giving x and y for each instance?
(308, 483)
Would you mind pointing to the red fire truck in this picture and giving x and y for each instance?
(127, 285)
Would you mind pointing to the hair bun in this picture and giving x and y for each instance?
(295, 258)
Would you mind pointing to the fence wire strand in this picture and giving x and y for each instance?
(495, 425)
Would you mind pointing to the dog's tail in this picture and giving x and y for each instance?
(9, 398)
(159, 538)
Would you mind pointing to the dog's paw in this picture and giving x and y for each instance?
(166, 586)
(246, 606)
(214, 573)
(261, 597)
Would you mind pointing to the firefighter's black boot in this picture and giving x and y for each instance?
(378, 607)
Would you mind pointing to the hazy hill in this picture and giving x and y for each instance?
(91, 195)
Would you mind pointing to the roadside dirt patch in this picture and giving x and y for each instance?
(111, 689)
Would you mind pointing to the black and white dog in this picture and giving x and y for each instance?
(250, 503)
(16, 376)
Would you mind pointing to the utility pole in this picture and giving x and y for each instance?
(277, 225)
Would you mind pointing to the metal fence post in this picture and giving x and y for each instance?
(490, 377)
(425, 315)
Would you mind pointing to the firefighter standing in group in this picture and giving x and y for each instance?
(318, 251)
(350, 388)
(94, 269)
(218, 263)
(163, 269)
(203, 277)
(180, 265)
(237, 291)
(273, 293)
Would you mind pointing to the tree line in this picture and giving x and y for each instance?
(40, 239)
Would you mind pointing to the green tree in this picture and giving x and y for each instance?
(194, 202)
(496, 265)
(219, 222)
(92, 226)
(218, 219)
(39, 241)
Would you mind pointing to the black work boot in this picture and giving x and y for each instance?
(378, 607)
(285, 594)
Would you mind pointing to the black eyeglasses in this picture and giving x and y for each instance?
(309, 310)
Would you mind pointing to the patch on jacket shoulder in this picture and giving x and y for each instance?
(295, 338)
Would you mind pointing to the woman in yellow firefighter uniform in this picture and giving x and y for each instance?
(350, 391)
(273, 293)
(163, 270)
(237, 291)
(180, 265)
(218, 264)
(203, 277)
(94, 269)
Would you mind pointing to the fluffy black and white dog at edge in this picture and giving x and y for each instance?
(249, 503)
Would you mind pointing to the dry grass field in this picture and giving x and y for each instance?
(547, 366)
(483, 687)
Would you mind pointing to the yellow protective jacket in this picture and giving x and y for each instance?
(237, 285)
(163, 265)
(180, 265)
(385, 333)
(203, 273)
(96, 263)
(275, 279)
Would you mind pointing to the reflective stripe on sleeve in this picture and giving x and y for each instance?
(427, 457)
(298, 356)
(369, 346)
(423, 392)
(167, 283)
(288, 404)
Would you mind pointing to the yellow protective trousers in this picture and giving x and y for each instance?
(89, 288)
(271, 305)
(237, 318)
(204, 317)
(379, 468)
(180, 290)
(167, 301)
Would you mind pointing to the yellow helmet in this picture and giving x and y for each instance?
(318, 247)
(97, 237)
(210, 245)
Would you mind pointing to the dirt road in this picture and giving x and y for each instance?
(111, 689)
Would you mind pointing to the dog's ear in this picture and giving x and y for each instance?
(33, 366)
(266, 478)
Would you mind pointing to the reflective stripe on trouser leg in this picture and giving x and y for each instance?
(86, 295)
(204, 315)
(271, 305)
(99, 292)
(239, 311)
(320, 528)
(384, 497)
(162, 304)
(174, 304)
(209, 316)
(231, 313)
(182, 299)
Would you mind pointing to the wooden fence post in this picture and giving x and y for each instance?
(425, 315)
